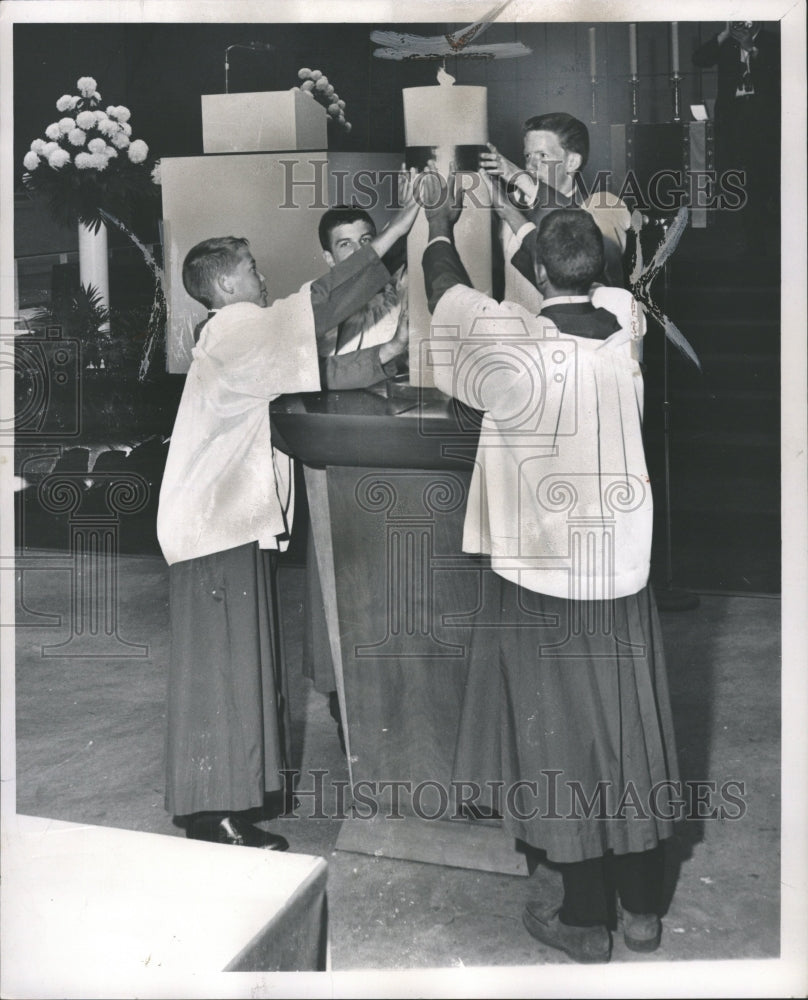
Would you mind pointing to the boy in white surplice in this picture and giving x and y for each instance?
(566, 705)
(226, 504)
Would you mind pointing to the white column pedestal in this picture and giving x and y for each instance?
(94, 261)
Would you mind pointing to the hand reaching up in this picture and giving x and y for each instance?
(442, 201)
(501, 203)
(494, 163)
(403, 222)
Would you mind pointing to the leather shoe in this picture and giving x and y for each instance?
(583, 944)
(641, 931)
(229, 830)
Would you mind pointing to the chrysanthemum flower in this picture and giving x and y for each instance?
(87, 86)
(86, 119)
(138, 151)
(58, 158)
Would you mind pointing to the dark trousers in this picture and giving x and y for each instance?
(588, 885)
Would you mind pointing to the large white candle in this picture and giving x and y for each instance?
(632, 49)
(444, 118)
(593, 60)
(675, 48)
(447, 115)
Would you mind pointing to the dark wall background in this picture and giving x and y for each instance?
(159, 71)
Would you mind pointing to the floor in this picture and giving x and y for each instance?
(89, 748)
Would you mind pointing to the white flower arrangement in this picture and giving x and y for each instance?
(81, 167)
(317, 85)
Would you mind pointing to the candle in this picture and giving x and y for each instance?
(593, 62)
(445, 115)
(447, 123)
(675, 48)
(632, 49)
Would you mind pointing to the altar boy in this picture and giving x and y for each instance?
(572, 684)
(225, 510)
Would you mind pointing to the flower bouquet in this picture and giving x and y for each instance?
(92, 172)
(88, 165)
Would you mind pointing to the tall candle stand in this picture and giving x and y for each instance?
(669, 598)
(594, 119)
(634, 86)
(676, 82)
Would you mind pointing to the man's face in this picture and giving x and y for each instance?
(346, 239)
(248, 284)
(548, 162)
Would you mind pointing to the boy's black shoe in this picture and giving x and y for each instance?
(229, 830)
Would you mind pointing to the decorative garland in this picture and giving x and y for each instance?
(316, 85)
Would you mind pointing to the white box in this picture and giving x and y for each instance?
(266, 121)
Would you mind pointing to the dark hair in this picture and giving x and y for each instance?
(206, 261)
(340, 215)
(570, 246)
(572, 135)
